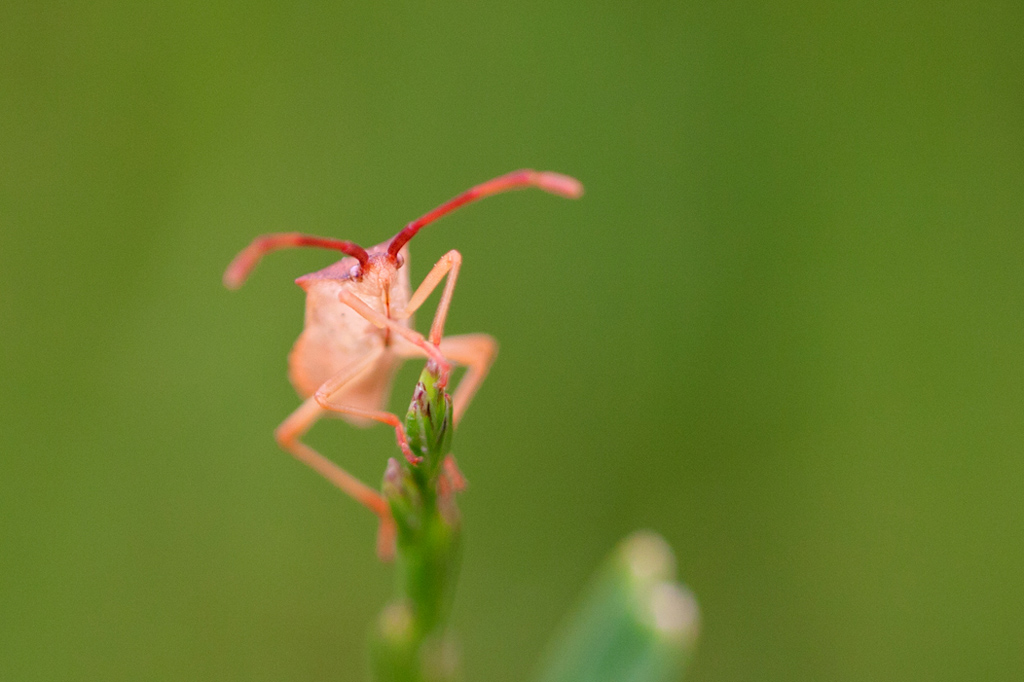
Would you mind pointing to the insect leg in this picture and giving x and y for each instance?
(323, 400)
(384, 322)
(475, 352)
(288, 436)
(448, 265)
(453, 477)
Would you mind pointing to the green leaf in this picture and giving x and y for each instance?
(634, 624)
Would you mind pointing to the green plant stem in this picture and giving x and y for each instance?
(410, 642)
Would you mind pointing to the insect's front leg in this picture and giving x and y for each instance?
(384, 322)
(475, 352)
(449, 264)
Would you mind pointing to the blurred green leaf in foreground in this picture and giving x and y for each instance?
(634, 624)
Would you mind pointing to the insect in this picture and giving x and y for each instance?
(359, 330)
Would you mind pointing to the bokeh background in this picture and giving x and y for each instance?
(783, 327)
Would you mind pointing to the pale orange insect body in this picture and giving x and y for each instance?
(358, 331)
(335, 334)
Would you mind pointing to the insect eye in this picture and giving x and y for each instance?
(356, 271)
(399, 261)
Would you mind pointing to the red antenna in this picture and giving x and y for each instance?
(244, 262)
(555, 183)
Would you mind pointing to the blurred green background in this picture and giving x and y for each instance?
(783, 327)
